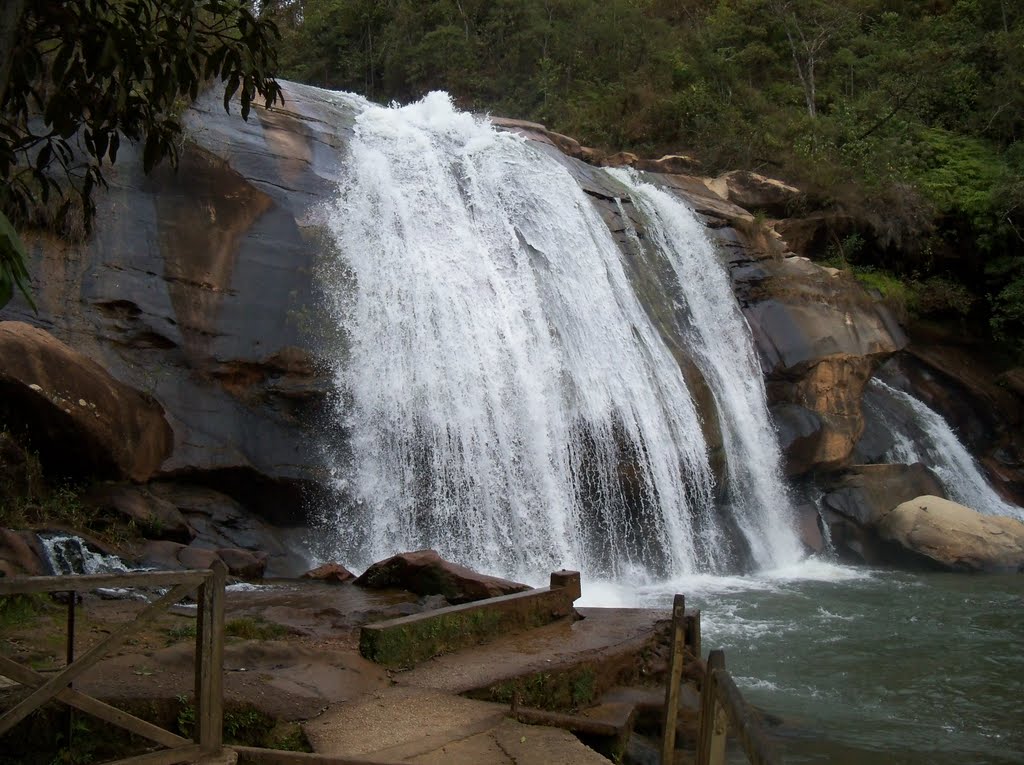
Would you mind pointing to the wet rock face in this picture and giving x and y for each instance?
(820, 337)
(984, 410)
(197, 289)
(858, 498)
(82, 421)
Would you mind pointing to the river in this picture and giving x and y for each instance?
(867, 667)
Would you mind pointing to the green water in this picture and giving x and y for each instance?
(872, 667)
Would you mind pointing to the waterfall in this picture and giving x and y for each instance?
(720, 342)
(507, 399)
(928, 438)
(66, 554)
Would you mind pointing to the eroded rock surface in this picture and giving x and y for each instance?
(82, 421)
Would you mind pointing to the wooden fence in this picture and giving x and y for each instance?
(723, 709)
(208, 737)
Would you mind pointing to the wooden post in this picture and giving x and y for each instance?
(693, 635)
(713, 722)
(675, 673)
(210, 662)
(69, 660)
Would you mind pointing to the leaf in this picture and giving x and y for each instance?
(12, 264)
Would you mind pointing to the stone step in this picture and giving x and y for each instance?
(562, 666)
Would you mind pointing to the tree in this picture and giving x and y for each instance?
(77, 76)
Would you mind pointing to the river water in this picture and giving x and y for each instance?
(867, 667)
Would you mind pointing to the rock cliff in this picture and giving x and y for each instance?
(198, 295)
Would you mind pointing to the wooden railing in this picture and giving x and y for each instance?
(209, 659)
(723, 709)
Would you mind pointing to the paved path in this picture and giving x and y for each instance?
(423, 719)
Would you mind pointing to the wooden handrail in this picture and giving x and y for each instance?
(209, 658)
(723, 709)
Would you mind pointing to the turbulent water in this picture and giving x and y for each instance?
(862, 667)
(507, 399)
(921, 434)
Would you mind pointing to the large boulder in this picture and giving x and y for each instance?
(424, 572)
(163, 554)
(81, 420)
(858, 498)
(955, 537)
(756, 192)
(332, 573)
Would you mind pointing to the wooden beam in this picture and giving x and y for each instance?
(55, 684)
(675, 674)
(94, 707)
(163, 757)
(575, 723)
(744, 723)
(16, 585)
(713, 728)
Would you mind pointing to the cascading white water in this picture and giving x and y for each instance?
(507, 399)
(720, 342)
(938, 447)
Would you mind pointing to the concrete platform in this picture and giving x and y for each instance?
(406, 724)
(603, 636)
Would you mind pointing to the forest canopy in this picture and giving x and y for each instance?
(907, 115)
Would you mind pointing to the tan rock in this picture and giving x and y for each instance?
(820, 338)
(119, 433)
(620, 159)
(20, 554)
(156, 518)
(671, 164)
(756, 192)
(955, 536)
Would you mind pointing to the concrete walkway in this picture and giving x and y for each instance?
(423, 718)
(422, 725)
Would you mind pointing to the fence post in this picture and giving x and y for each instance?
(713, 721)
(210, 662)
(675, 673)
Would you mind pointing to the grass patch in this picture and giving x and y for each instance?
(254, 629)
(179, 632)
(18, 610)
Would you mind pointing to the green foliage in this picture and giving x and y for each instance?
(180, 632)
(78, 77)
(17, 610)
(244, 725)
(254, 629)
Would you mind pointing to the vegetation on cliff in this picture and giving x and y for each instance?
(906, 118)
